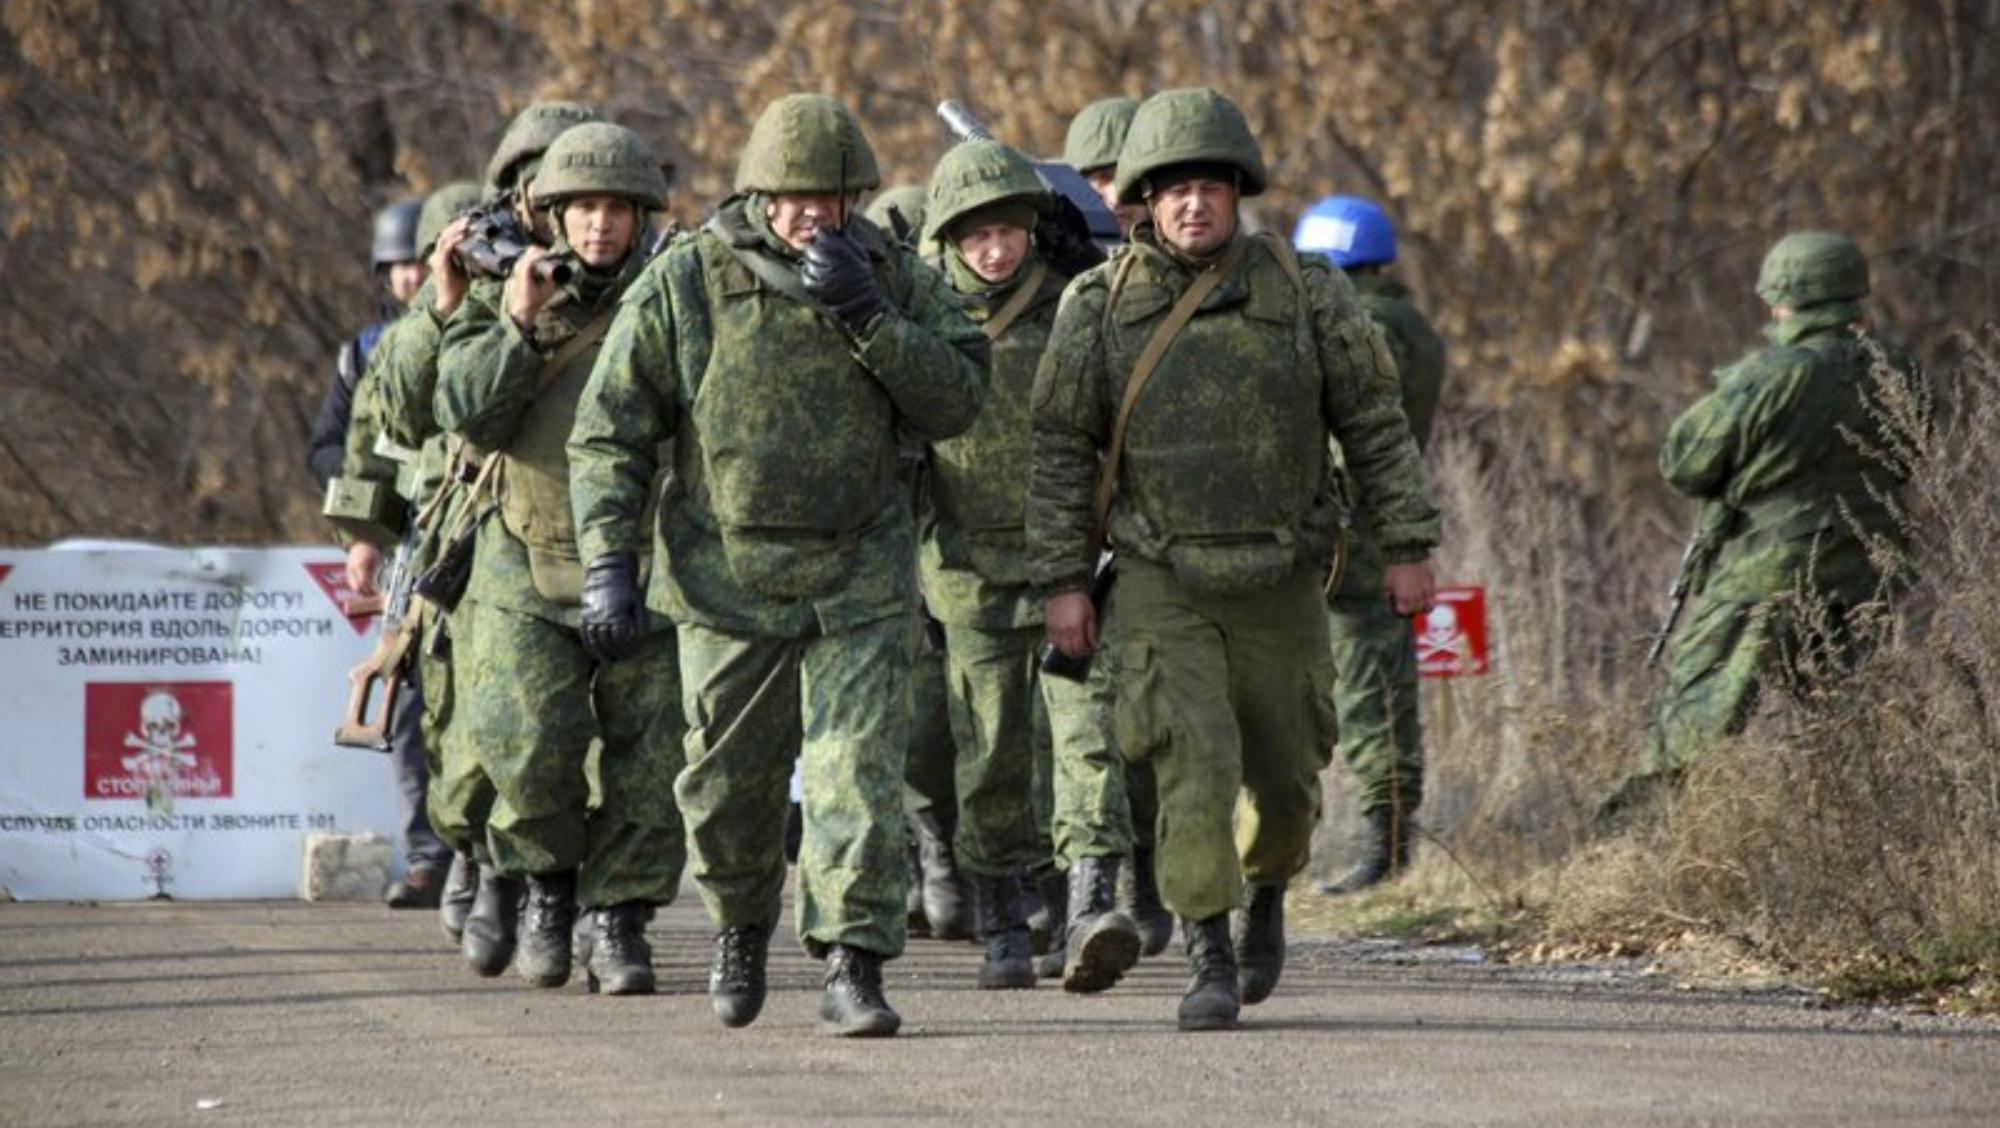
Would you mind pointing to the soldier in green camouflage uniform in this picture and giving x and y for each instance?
(514, 361)
(784, 349)
(1374, 651)
(984, 203)
(939, 901)
(402, 376)
(1777, 457)
(1223, 516)
(1095, 136)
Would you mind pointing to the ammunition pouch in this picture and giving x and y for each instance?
(366, 509)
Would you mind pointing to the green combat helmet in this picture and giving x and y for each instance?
(1807, 268)
(531, 131)
(440, 208)
(1182, 126)
(898, 211)
(600, 159)
(979, 174)
(797, 146)
(1097, 133)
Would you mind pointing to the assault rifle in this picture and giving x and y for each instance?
(378, 680)
(1711, 528)
(495, 241)
(1073, 237)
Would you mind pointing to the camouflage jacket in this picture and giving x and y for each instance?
(497, 391)
(785, 515)
(1420, 362)
(1225, 476)
(974, 524)
(1783, 443)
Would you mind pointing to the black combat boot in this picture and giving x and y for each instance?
(488, 940)
(1211, 1000)
(544, 957)
(617, 960)
(947, 895)
(736, 973)
(1009, 963)
(1384, 854)
(461, 886)
(1050, 899)
(1139, 897)
(1102, 943)
(1259, 937)
(421, 888)
(853, 1006)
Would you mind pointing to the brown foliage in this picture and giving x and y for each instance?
(1583, 189)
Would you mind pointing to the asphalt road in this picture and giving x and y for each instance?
(282, 1014)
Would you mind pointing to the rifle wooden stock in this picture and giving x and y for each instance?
(377, 681)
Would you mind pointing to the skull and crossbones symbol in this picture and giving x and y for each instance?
(162, 750)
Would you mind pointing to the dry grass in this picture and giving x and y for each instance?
(1851, 837)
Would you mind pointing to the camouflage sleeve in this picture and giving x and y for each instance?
(406, 386)
(630, 406)
(1361, 397)
(1705, 445)
(930, 358)
(486, 371)
(1071, 424)
(358, 459)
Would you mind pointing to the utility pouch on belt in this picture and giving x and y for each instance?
(1055, 662)
(443, 584)
(365, 509)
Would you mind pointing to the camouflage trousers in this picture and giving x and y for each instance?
(932, 760)
(838, 703)
(1230, 697)
(460, 796)
(1002, 709)
(534, 701)
(1375, 699)
(1723, 656)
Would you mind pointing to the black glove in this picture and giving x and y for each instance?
(839, 276)
(1063, 238)
(614, 611)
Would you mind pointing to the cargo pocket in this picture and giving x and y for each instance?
(1140, 710)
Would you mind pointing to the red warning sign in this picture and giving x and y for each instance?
(158, 741)
(1451, 638)
(332, 579)
(4, 569)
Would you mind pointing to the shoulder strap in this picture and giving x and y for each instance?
(1287, 258)
(784, 281)
(1017, 302)
(1149, 362)
(586, 338)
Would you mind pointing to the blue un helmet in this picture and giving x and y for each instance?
(1351, 230)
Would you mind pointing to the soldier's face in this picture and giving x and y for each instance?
(798, 216)
(1196, 216)
(994, 250)
(1105, 181)
(405, 279)
(600, 228)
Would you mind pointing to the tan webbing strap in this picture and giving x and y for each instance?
(1017, 302)
(1149, 361)
(589, 337)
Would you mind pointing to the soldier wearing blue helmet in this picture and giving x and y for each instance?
(1374, 656)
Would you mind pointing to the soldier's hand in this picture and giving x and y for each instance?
(448, 278)
(614, 611)
(838, 275)
(363, 561)
(1071, 621)
(528, 289)
(1411, 588)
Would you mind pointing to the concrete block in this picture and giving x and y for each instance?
(344, 867)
